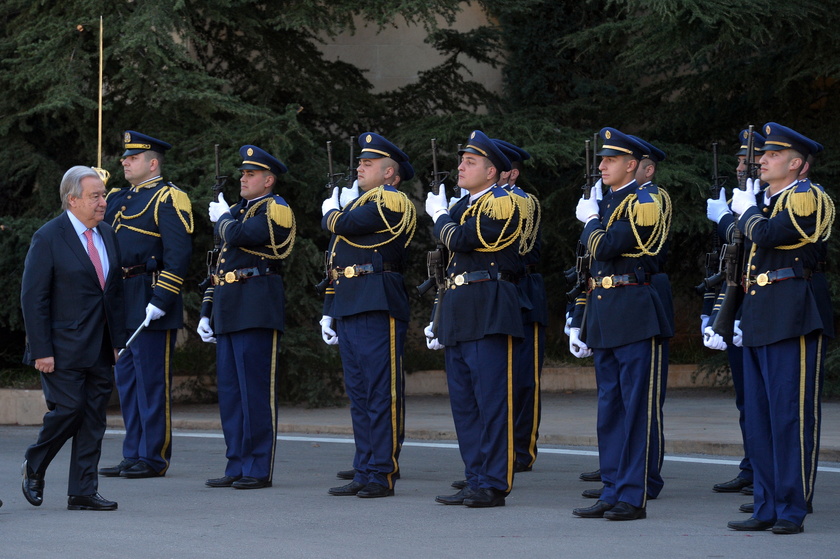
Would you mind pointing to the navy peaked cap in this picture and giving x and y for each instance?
(479, 144)
(258, 159)
(375, 146)
(744, 136)
(512, 152)
(651, 151)
(780, 137)
(617, 142)
(135, 142)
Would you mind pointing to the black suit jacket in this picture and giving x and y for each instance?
(64, 309)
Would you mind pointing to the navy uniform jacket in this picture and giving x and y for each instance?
(791, 307)
(254, 236)
(483, 237)
(64, 308)
(631, 313)
(153, 223)
(375, 229)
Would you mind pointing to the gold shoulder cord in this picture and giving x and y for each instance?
(394, 201)
(820, 202)
(180, 202)
(281, 218)
(532, 226)
(661, 226)
(496, 208)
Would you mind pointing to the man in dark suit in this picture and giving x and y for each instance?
(72, 301)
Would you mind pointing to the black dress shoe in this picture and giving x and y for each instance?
(140, 470)
(346, 474)
(115, 471)
(90, 502)
(787, 527)
(731, 486)
(247, 482)
(747, 507)
(593, 493)
(748, 490)
(751, 525)
(485, 497)
(519, 467)
(595, 511)
(457, 498)
(591, 476)
(625, 511)
(32, 486)
(375, 490)
(224, 481)
(348, 490)
(460, 484)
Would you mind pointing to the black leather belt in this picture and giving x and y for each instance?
(132, 271)
(773, 276)
(240, 275)
(359, 270)
(467, 278)
(616, 280)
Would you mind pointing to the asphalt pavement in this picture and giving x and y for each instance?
(177, 516)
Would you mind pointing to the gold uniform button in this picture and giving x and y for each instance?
(752, 292)
(122, 208)
(752, 267)
(128, 197)
(222, 260)
(599, 296)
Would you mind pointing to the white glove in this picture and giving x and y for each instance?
(716, 209)
(436, 204)
(331, 203)
(598, 190)
(454, 199)
(742, 200)
(568, 326)
(754, 186)
(152, 313)
(737, 335)
(327, 333)
(576, 346)
(712, 340)
(348, 194)
(205, 331)
(704, 321)
(587, 208)
(431, 341)
(217, 209)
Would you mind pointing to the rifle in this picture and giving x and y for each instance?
(714, 273)
(352, 172)
(579, 275)
(732, 262)
(332, 178)
(436, 259)
(213, 255)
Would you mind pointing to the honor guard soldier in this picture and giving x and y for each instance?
(153, 222)
(243, 311)
(531, 352)
(786, 318)
(366, 309)
(717, 210)
(481, 319)
(624, 232)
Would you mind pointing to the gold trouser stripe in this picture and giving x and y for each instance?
(536, 411)
(659, 435)
(510, 418)
(818, 367)
(651, 393)
(395, 424)
(273, 401)
(167, 440)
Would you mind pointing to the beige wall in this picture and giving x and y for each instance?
(393, 57)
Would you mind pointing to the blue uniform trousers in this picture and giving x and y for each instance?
(630, 386)
(527, 405)
(480, 378)
(143, 377)
(246, 370)
(735, 356)
(372, 346)
(783, 384)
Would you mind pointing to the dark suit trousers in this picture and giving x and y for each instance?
(77, 400)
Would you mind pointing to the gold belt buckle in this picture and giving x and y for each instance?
(230, 277)
(607, 282)
(350, 272)
(762, 279)
(460, 279)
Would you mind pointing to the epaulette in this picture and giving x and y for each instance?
(280, 212)
(180, 201)
(644, 210)
(803, 198)
(497, 204)
(112, 191)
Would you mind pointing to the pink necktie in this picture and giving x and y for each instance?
(94, 257)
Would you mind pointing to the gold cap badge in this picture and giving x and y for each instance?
(767, 129)
(127, 137)
(250, 152)
(607, 134)
(368, 139)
